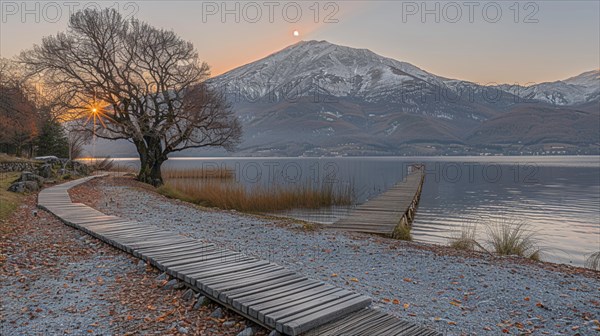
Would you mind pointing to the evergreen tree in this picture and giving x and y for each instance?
(52, 140)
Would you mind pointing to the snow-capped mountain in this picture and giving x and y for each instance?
(323, 72)
(572, 91)
(320, 67)
(316, 97)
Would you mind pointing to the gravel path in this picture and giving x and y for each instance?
(458, 294)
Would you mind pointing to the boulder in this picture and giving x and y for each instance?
(51, 160)
(24, 186)
(45, 170)
(29, 176)
(17, 187)
(80, 168)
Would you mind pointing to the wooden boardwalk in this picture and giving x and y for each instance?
(383, 214)
(263, 292)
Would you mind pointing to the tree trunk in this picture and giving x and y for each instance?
(151, 160)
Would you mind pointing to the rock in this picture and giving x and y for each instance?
(188, 295)
(274, 333)
(247, 332)
(183, 330)
(17, 187)
(141, 265)
(200, 302)
(218, 313)
(78, 168)
(179, 285)
(21, 187)
(229, 324)
(45, 170)
(171, 284)
(29, 176)
(162, 276)
(17, 166)
(48, 158)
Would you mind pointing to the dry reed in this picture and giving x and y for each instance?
(215, 193)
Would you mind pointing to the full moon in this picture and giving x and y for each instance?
(296, 33)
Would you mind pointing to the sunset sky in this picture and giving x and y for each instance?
(552, 40)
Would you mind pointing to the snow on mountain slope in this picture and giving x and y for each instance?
(321, 68)
(572, 91)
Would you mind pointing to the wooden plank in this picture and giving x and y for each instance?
(245, 300)
(315, 317)
(258, 279)
(292, 300)
(293, 311)
(242, 293)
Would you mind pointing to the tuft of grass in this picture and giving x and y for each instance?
(199, 173)
(402, 232)
(8, 201)
(465, 238)
(593, 261)
(232, 196)
(513, 238)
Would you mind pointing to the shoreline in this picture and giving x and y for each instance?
(301, 225)
(432, 285)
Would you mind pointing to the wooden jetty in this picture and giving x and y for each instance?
(264, 292)
(389, 211)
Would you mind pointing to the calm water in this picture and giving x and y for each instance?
(559, 197)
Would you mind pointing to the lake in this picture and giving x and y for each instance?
(558, 197)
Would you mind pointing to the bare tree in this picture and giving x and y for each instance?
(142, 84)
(77, 139)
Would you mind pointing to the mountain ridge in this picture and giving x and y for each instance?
(315, 98)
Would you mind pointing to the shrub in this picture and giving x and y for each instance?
(465, 238)
(402, 232)
(513, 238)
